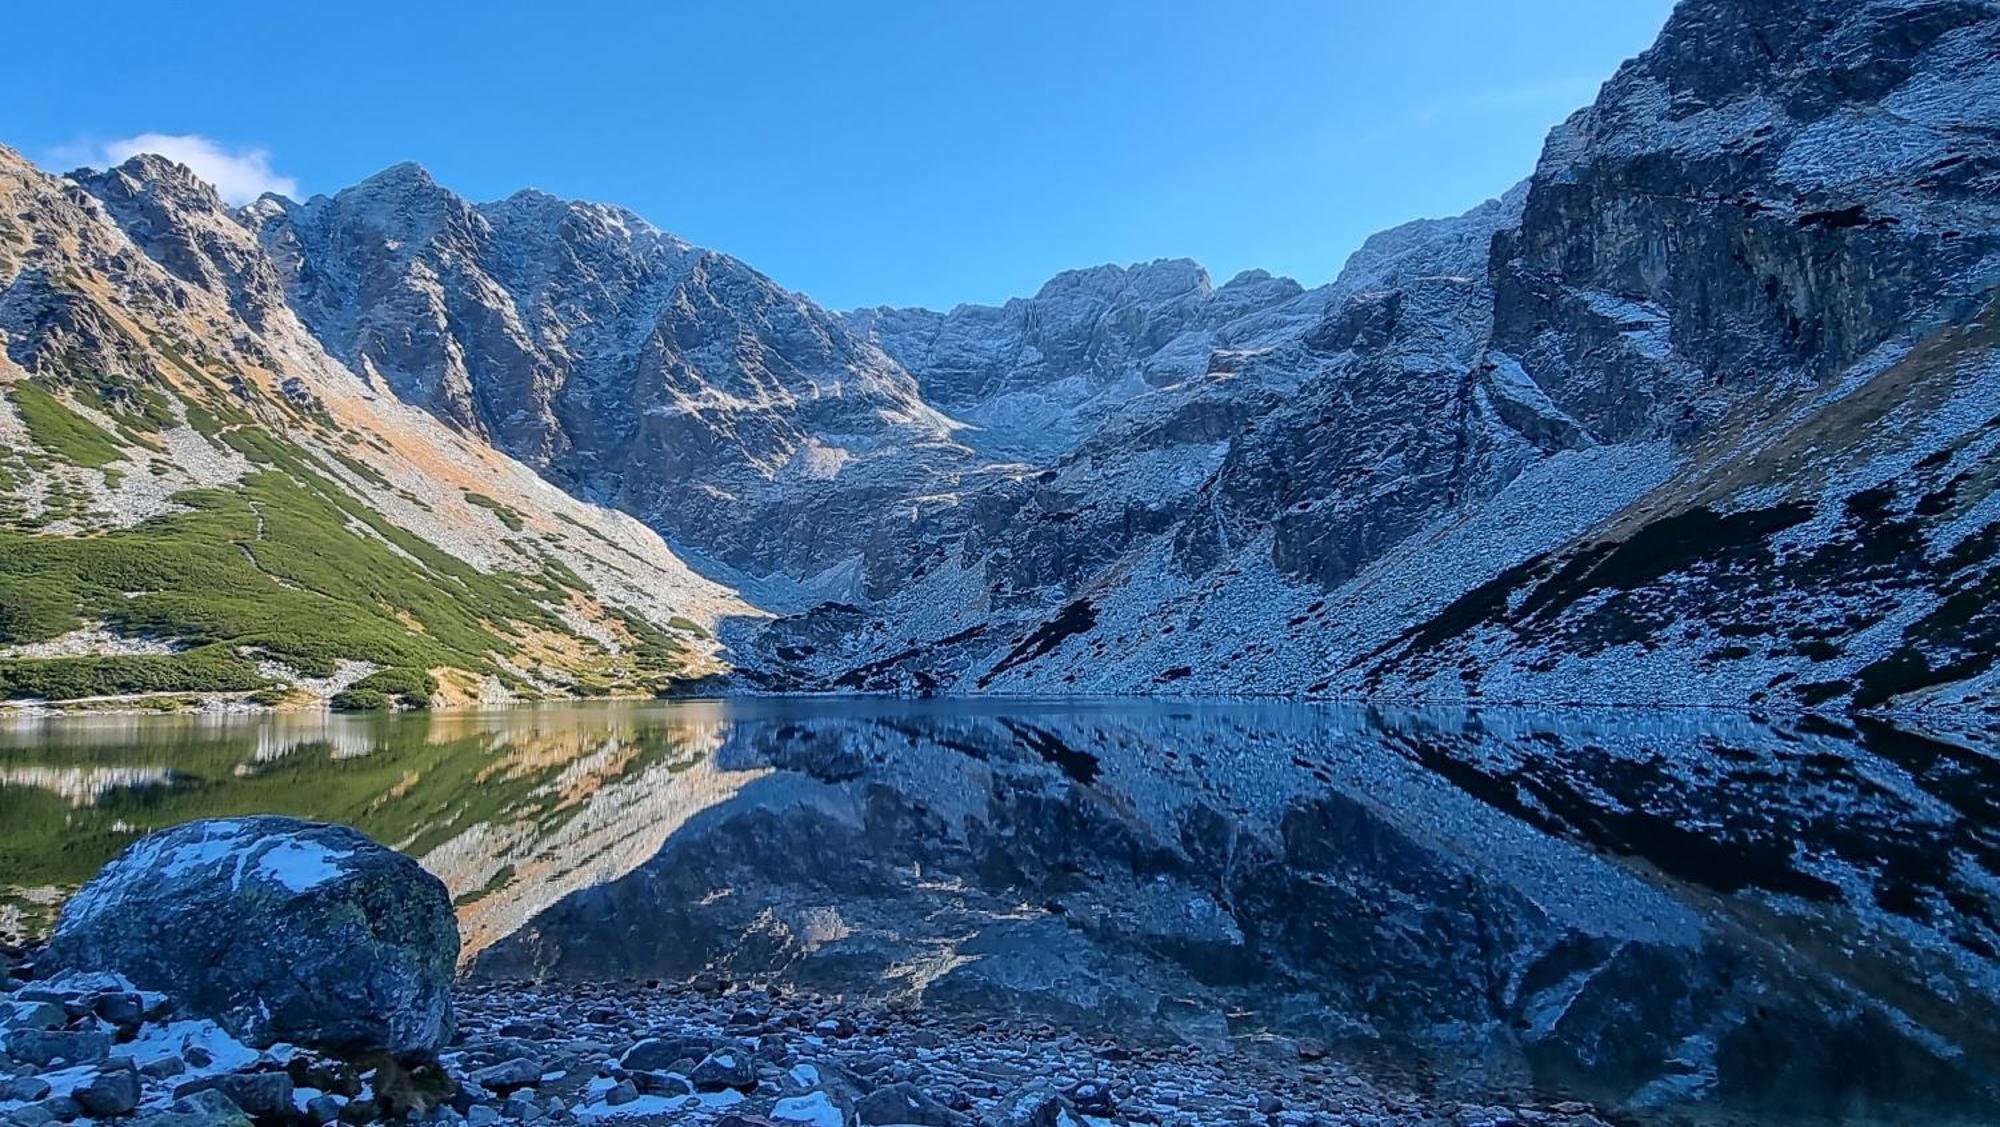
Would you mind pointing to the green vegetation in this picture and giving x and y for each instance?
(287, 564)
(54, 427)
(205, 669)
(387, 688)
(508, 515)
(362, 470)
(688, 626)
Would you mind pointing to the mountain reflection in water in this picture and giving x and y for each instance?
(1667, 912)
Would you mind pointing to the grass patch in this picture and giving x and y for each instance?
(209, 669)
(54, 427)
(283, 563)
(509, 516)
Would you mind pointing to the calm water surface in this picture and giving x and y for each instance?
(1676, 914)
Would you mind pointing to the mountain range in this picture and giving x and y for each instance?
(1702, 412)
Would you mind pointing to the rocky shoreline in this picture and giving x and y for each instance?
(285, 973)
(87, 1047)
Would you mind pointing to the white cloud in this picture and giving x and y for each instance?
(239, 175)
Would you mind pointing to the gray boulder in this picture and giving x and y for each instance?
(280, 930)
(1037, 1104)
(508, 1075)
(261, 1095)
(114, 1091)
(725, 1068)
(43, 1047)
(206, 1108)
(904, 1104)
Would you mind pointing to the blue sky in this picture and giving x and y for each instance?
(864, 152)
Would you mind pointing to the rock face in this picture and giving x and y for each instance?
(278, 929)
(674, 382)
(1036, 375)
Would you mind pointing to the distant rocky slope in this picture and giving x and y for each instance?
(672, 382)
(1699, 413)
(1703, 413)
(200, 504)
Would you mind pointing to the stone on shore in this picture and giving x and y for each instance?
(278, 929)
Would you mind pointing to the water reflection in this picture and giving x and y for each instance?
(1663, 911)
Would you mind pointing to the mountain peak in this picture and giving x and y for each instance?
(1161, 276)
(404, 173)
(153, 174)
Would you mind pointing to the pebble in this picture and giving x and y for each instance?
(565, 1055)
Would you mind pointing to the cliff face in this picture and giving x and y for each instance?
(1751, 207)
(672, 382)
(1770, 245)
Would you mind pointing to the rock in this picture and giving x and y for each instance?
(1092, 1098)
(357, 943)
(206, 1108)
(24, 1089)
(661, 1083)
(904, 1103)
(34, 1015)
(322, 1110)
(1034, 1105)
(622, 1093)
(163, 1068)
(507, 1076)
(34, 1115)
(815, 1108)
(262, 1095)
(64, 1108)
(656, 1053)
(497, 1049)
(111, 1092)
(43, 1047)
(120, 1008)
(725, 1068)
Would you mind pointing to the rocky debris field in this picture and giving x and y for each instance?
(82, 1047)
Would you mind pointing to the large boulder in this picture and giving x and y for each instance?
(278, 929)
